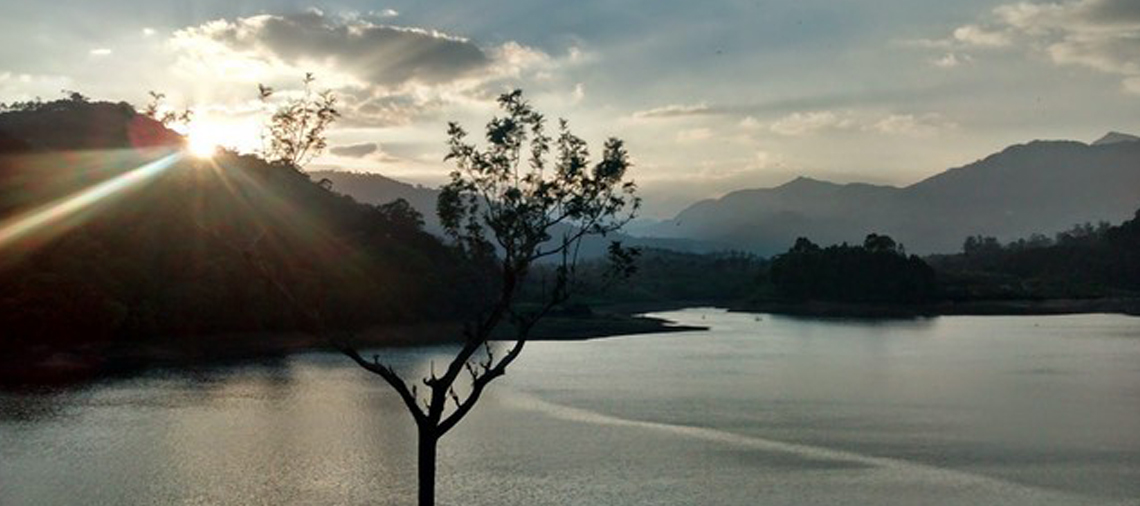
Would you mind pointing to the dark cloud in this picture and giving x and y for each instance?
(1114, 11)
(355, 150)
(384, 75)
(378, 54)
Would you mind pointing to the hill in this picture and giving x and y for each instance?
(112, 235)
(1028, 188)
(378, 189)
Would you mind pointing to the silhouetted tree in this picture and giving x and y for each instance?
(977, 245)
(509, 205)
(295, 134)
(156, 109)
(76, 96)
(400, 213)
(877, 271)
(876, 243)
(1086, 261)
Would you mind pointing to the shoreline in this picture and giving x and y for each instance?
(76, 366)
(43, 367)
(1011, 307)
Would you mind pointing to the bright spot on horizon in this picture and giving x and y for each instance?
(201, 145)
(206, 134)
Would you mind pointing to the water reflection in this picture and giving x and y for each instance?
(774, 410)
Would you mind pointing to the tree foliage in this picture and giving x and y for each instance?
(295, 134)
(522, 198)
(1085, 261)
(157, 110)
(878, 271)
(514, 192)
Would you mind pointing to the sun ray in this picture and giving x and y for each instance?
(56, 217)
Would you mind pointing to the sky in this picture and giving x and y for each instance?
(709, 96)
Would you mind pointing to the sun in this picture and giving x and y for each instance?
(201, 144)
(206, 135)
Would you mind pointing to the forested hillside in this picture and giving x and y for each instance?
(170, 254)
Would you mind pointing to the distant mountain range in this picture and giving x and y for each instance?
(377, 189)
(1039, 187)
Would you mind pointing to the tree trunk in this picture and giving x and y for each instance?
(428, 441)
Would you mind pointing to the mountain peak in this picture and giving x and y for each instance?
(1115, 138)
(806, 182)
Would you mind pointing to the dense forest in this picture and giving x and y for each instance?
(1086, 261)
(877, 271)
(175, 255)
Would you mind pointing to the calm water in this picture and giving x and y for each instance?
(761, 410)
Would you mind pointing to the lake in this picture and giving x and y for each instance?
(761, 409)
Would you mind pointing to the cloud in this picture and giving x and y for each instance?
(694, 135)
(384, 75)
(579, 93)
(384, 55)
(101, 52)
(673, 111)
(18, 87)
(813, 122)
(1132, 85)
(975, 35)
(763, 160)
(355, 150)
(803, 123)
(911, 125)
(1103, 35)
(951, 60)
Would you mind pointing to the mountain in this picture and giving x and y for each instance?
(1042, 186)
(378, 189)
(81, 125)
(1114, 138)
(109, 234)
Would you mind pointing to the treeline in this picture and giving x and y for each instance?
(1087, 261)
(878, 271)
(194, 250)
(664, 276)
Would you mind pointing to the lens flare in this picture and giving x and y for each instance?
(201, 145)
(57, 216)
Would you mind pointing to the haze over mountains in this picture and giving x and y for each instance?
(377, 189)
(1038, 187)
